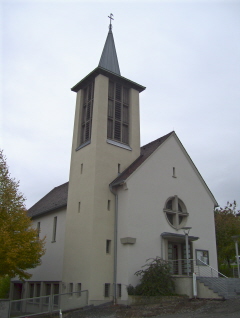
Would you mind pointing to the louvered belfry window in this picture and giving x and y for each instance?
(118, 113)
(87, 108)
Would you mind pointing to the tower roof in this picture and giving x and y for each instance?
(109, 60)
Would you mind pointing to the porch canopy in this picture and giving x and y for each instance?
(178, 237)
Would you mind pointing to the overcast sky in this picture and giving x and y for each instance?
(187, 54)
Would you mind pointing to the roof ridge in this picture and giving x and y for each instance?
(60, 185)
(141, 158)
(158, 139)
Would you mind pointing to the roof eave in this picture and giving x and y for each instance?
(47, 211)
(99, 70)
(118, 183)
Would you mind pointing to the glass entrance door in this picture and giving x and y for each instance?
(177, 257)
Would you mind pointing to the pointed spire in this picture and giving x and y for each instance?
(109, 59)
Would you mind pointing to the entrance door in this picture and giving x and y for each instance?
(177, 257)
(174, 256)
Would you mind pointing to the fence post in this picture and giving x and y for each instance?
(194, 285)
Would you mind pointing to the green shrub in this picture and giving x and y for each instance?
(155, 279)
(4, 286)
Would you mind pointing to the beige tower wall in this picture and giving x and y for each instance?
(93, 167)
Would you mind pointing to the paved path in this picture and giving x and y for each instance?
(182, 309)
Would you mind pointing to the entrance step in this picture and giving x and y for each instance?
(224, 287)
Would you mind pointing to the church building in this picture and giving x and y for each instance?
(123, 203)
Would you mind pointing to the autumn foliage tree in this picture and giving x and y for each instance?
(227, 225)
(20, 247)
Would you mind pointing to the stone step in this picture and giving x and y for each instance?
(224, 287)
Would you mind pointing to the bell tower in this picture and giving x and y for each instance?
(106, 140)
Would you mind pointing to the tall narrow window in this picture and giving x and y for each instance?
(107, 290)
(119, 289)
(119, 168)
(118, 113)
(174, 172)
(38, 291)
(55, 293)
(79, 207)
(108, 246)
(47, 292)
(70, 289)
(54, 229)
(87, 108)
(79, 288)
(109, 205)
(31, 290)
(38, 228)
(81, 168)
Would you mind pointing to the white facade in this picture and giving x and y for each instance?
(54, 233)
(141, 203)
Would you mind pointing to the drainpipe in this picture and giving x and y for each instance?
(115, 246)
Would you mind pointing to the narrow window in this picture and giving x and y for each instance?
(31, 290)
(79, 207)
(118, 113)
(47, 292)
(81, 168)
(79, 288)
(107, 290)
(55, 293)
(119, 289)
(119, 168)
(70, 289)
(109, 205)
(38, 292)
(108, 246)
(174, 172)
(38, 228)
(54, 229)
(87, 108)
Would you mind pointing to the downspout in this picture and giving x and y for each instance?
(115, 246)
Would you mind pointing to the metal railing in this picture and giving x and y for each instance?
(200, 268)
(46, 304)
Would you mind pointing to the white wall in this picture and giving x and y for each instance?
(52, 260)
(141, 209)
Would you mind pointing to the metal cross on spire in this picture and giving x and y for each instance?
(111, 18)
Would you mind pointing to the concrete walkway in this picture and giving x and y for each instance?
(182, 309)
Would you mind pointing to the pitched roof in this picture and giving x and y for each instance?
(109, 60)
(146, 151)
(55, 199)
